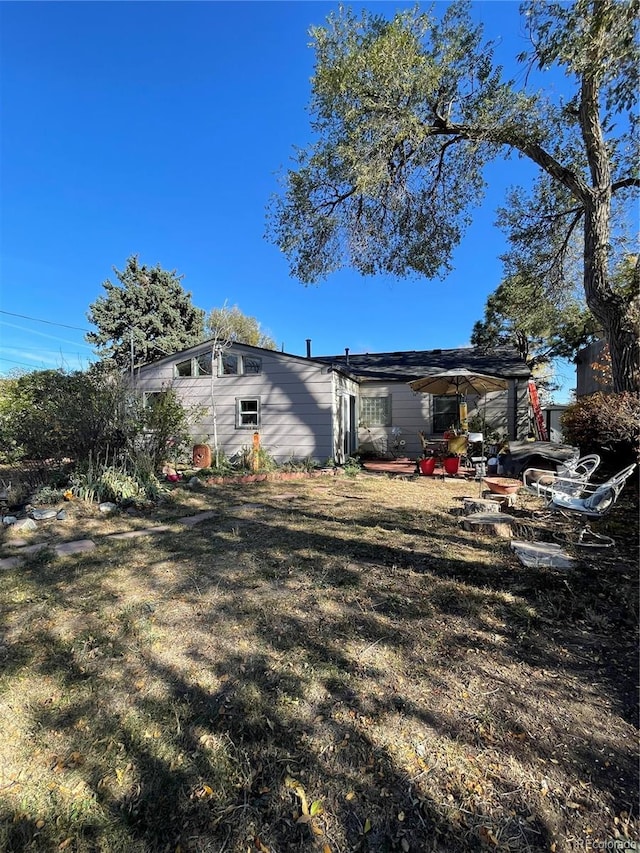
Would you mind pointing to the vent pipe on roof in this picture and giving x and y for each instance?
(308, 347)
(346, 355)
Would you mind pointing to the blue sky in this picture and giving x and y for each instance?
(159, 129)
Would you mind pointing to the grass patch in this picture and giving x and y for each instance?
(331, 665)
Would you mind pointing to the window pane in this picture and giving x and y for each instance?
(445, 412)
(151, 399)
(251, 364)
(375, 411)
(203, 363)
(229, 364)
(248, 413)
(183, 368)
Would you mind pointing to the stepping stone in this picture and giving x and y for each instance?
(535, 554)
(74, 547)
(135, 534)
(192, 520)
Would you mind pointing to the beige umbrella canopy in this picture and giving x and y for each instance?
(458, 382)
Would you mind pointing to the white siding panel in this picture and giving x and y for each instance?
(411, 412)
(296, 401)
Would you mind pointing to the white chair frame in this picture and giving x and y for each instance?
(593, 502)
(573, 475)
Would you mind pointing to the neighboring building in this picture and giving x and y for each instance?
(328, 407)
(588, 380)
(552, 416)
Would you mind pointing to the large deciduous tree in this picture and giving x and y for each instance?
(230, 325)
(407, 113)
(146, 315)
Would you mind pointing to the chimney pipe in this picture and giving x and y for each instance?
(308, 347)
(346, 355)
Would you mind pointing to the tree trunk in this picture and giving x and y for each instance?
(610, 308)
(615, 313)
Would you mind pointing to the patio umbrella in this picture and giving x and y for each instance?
(460, 382)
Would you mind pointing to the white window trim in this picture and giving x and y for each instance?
(239, 424)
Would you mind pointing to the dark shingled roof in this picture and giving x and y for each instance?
(405, 366)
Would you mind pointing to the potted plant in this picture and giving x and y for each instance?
(427, 464)
(451, 463)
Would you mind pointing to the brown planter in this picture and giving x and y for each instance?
(201, 456)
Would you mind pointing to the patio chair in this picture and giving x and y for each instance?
(539, 482)
(593, 502)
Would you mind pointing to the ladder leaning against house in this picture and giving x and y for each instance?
(541, 430)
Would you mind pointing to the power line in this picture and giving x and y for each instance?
(13, 361)
(49, 322)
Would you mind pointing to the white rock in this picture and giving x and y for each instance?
(107, 506)
(9, 519)
(43, 514)
(24, 524)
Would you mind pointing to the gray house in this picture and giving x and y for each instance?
(328, 407)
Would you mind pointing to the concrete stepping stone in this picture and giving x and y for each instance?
(77, 547)
(135, 534)
(192, 520)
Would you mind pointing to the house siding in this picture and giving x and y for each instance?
(308, 405)
(412, 413)
(296, 403)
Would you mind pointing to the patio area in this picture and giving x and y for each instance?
(404, 466)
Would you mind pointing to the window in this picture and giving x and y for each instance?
(198, 366)
(184, 368)
(251, 364)
(235, 365)
(375, 411)
(150, 399)
(445, 412)
(229, 364)
(248, 413)
(203, 364)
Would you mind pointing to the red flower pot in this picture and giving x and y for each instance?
(427, 466)
(451, 464)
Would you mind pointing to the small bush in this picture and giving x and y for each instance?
(608, 424)
(122, 480)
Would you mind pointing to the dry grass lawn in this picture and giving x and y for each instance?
(328, 664)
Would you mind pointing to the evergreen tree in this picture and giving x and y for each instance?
(145, 315)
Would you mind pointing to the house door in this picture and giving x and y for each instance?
(349, 429)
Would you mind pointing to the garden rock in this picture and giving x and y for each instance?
(9, 519)
(107, 506)
(24, 524)
(43, 514)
